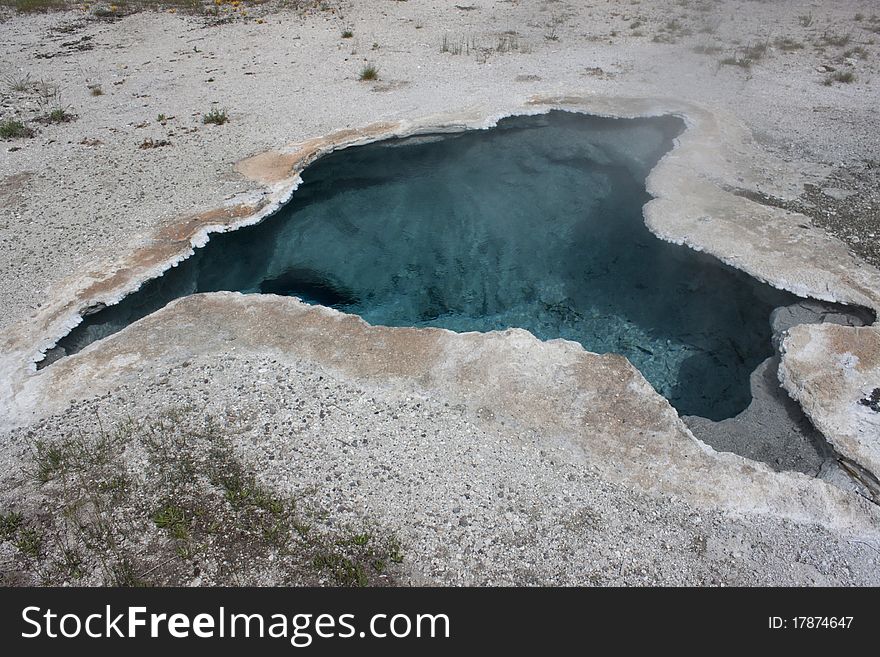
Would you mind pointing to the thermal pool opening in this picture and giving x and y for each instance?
(536, 223)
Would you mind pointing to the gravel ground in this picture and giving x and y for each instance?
(514, 509)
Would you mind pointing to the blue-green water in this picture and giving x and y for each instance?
(535, 224)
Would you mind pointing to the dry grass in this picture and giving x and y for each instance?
(844, 77)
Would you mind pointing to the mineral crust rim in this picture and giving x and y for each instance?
(690, 207)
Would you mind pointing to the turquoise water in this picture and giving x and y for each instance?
(534, 224)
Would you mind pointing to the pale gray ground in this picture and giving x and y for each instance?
(472, 502)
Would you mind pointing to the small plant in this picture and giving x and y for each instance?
(788, 44)
(845, 77)
(173, 518)
(215, 116)
(29, 542)
(50, 102)
(746, 57)
(507, 43)
(50, 459)
(12, 129)
(10, 523)
(345, 571)
(123, 573)
(742, 62)
(116, 487)
(395, 552)
(859, 18)
(161, 118)
(72, 563)
(347, 34)
(806, 20)
(839, 40)
(58, 115)
(369, 72)
(20, 84)
(149, 142)
(756, 51)
(859, 52)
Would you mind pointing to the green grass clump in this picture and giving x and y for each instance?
(172, 517)
(369, 72)
(29, 542)
(58, 115)
(10, 523)
(12, 129)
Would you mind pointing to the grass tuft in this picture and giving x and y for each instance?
(839, 40)
(20, 84)
(859, 52)
(788, 44)
(369, 72)
(844, 77)
(10, 523)
(59, 115)
(12, 129)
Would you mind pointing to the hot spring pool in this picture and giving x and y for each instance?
(536, 223)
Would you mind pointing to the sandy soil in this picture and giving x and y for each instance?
(80, 193)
